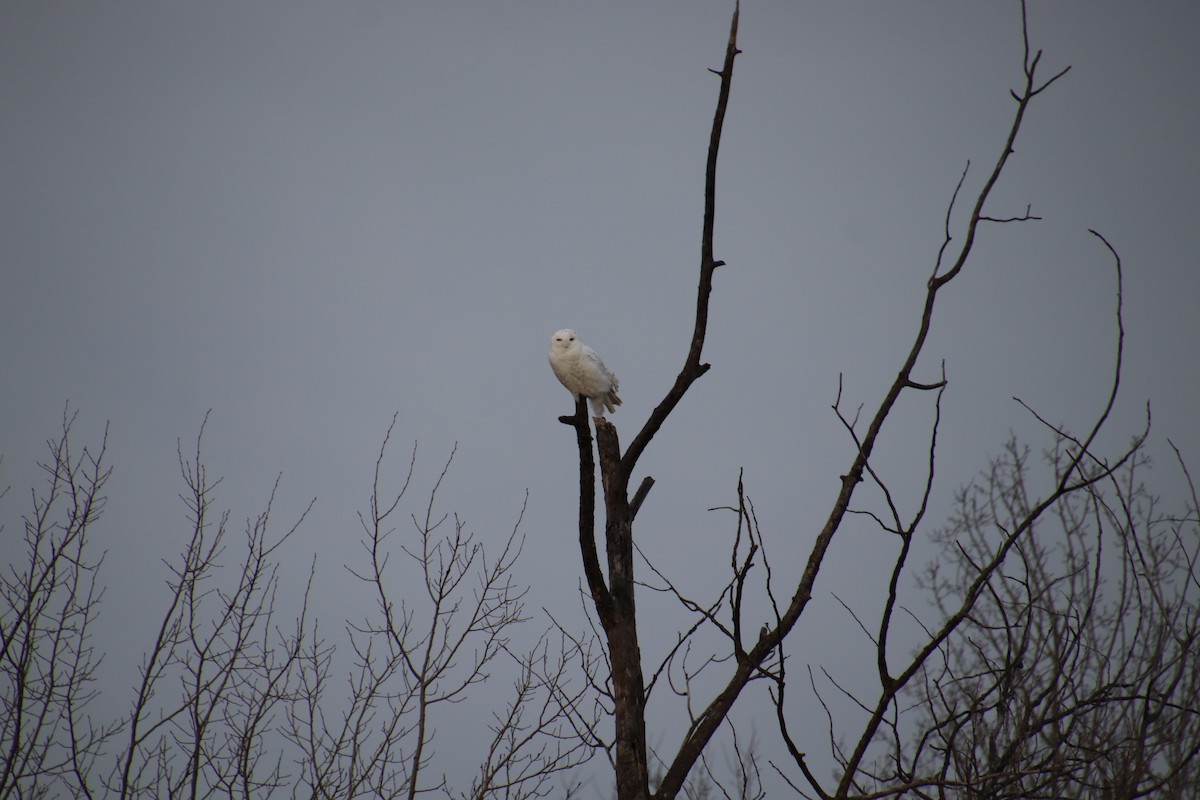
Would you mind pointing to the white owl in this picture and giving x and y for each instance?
(582, 371)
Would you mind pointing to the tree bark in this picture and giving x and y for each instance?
(629, 689)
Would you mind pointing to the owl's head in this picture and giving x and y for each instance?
(564, 339)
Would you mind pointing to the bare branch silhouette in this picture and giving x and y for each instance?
(48, 601)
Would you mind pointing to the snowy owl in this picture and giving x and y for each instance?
(582, 371)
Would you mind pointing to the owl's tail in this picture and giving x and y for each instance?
(608, 401)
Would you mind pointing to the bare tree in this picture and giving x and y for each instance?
(47, 604)
(230, 700)
(613, 598)
(205, 715)
(423, 651)
(1077, 672)
(749, 653)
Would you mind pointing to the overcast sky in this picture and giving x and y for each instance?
(310, 216)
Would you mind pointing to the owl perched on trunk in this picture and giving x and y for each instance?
(582, 371)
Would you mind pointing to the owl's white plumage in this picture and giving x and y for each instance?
(583, 373)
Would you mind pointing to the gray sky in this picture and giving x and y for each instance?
(307, 216)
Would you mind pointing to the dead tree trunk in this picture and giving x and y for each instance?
(614, 599)
(629, 688)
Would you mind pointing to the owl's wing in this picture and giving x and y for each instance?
(594, 363)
